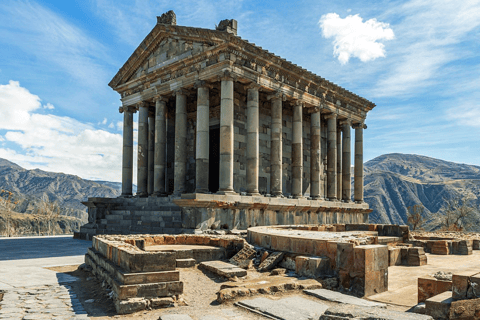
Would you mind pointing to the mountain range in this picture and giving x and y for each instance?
(394, 182)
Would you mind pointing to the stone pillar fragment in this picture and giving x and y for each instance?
(127, 160)
(297, 150)
(331, 156)
(160, 145)
(276, 152)
(226, 136)
(339, 162)
(151, 148)
(180, 142)
(142, 157)
(203, 138)
(358, 171)
(316, 186)
(346, 162)
(252, 139)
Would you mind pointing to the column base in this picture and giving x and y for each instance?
(254, 194)
(205, 191)
(298, 197)
(141, 195)
(317, 198)
(277, 194)
(227, 192)
(159, 194)
(359, 201)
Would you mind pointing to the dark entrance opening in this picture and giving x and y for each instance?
(214, 160)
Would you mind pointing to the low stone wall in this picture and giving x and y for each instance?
(447, 246)
(142, 279)
(354, 256)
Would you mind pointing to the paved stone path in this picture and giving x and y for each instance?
(42, 302)
(33, 292)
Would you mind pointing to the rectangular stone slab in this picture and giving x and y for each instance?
(223, 268)
(334, 296)
(291, 308)
(350, 312)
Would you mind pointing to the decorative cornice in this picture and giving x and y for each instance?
(359, 125)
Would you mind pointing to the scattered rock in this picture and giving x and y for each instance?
(440, 275)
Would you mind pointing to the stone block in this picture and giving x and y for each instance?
(149, 290)
(345, 256)
(271, 261)
(429, 287)
(243, 258)
(312, 266)
(440, 247)
(320, 247)
(394, 256)
(130, 305)
(465, 309)
(466, 285)
(185, 263)
(162, 302)
(416, 256)
(370, 270)
(462, 247)
(439, 306)
(224, 269)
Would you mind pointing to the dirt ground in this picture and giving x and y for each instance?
(199, 297)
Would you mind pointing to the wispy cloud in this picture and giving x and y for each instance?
(40, 32)
(354, 38)
(429, 36)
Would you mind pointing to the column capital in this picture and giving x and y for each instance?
(141, 104)
(159, 98)
(359, 125)
(331, 116)
(123, 109)
(227, 75)
(202, 84)
(346, 122)
(277, 95)
(253, 86)
(181, 91)
(298, 103)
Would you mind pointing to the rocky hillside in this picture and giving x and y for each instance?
(32, 188)
(396, 181)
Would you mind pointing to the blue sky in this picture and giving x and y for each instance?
(418, 62)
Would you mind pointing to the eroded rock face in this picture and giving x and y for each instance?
(168, 17)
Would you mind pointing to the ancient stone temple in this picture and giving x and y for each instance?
(230, 136)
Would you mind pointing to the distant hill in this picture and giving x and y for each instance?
(396, 181)
(32, 187)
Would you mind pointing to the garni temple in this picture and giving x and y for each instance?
(230, 136)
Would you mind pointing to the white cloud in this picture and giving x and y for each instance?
(467, 114)
(120, 125)
(104, 121)
(60, 144)
(49, 106)
(354, 38)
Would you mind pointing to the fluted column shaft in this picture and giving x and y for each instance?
(315, 156)
(358, 171)
(151, 148)
(142, 158)
(332, 156)
(339, 162)
(160, 144)
(203, 137)
(226, 136)
(346, 162)
(297, 151)
(252, 139)
(180, 143)
(127, 159)
(276, 147)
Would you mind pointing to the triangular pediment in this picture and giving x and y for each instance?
(165, 45)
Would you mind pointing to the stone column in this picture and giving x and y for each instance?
(160, 145)
(276, 152)
(331, 156)
(346, 162)
(297, 150)
(226, 135)
(315, 156)
(203, 138)
(252, 139)
(127, 160)
(151, 148)
(142, 158)
(358, 171)
(339, 162)
(180, 142)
